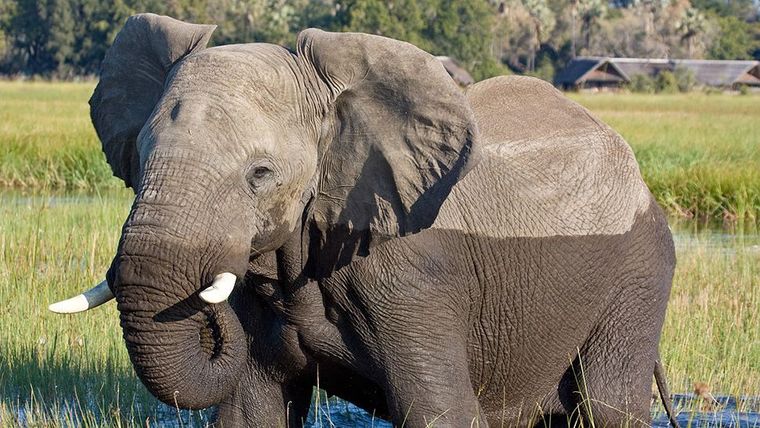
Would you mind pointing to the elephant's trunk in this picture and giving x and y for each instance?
(187, 353)
(186, 356)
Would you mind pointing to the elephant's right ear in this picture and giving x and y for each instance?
(132, 81)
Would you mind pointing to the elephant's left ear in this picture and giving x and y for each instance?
(132, 81)
(397, 136)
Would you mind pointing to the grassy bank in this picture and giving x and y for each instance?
(700, 154)
(712, 328)
(47, 140)
(52, 365)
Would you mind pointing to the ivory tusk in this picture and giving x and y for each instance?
(91, 298)
(220, 289)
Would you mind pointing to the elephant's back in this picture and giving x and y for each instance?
(549, 168)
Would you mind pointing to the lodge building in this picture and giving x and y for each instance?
(612, 73)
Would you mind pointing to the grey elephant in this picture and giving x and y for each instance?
(345, 214)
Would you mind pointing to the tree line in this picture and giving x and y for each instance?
(68, 38)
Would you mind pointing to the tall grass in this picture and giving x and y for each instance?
(712, 329)
(46, 139)
(699, 154)
(55, 368)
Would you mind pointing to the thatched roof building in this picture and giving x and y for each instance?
(459, 74)
(600, 72)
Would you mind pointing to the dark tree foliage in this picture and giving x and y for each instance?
(734, 40)
(745, 9)
(60, 38)
(68, 38)
(457, 28)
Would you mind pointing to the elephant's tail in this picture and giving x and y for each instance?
(662, 386)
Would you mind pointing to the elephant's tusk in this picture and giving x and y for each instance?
(91, 298)
(220, 289)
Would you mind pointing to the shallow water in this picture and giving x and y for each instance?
(725, 413)
(338, 413)
(716, 239)
(728, 413)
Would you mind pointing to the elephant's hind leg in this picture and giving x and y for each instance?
(610, 380)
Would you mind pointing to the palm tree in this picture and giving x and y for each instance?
(573, 14)
(692, 24)
(542, 20)
(591, 12)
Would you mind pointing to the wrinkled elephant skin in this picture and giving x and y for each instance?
(488, 257)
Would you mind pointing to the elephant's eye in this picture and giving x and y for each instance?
(258, 175)
(260, 172)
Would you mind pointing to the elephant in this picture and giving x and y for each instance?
(344, 215)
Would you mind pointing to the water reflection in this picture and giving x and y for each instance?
(743, 412)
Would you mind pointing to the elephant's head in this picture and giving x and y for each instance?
(234, 150)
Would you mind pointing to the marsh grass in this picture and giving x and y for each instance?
(699, 154)
(46, 138)
(72, 370)
(75, 367)
(712, 328)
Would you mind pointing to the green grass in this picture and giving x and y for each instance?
(52, 247)
(46, 138)
(712, 329)
(699, 154)
(52, 365)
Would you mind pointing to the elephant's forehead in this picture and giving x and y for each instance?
(240, 77)
(205, 122)
(231, 94)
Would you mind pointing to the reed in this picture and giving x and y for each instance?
(699, 154)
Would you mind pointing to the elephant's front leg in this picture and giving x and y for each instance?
(428, 383)
(408, 332)
(276, 385)
(260, 402)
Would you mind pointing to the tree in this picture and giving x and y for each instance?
(591, 12)
(402, 19)
(41, 35)
(462, 29)
(734, 40)
(573, 15)
(691, 25)
(741, 9)
(543, 21)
